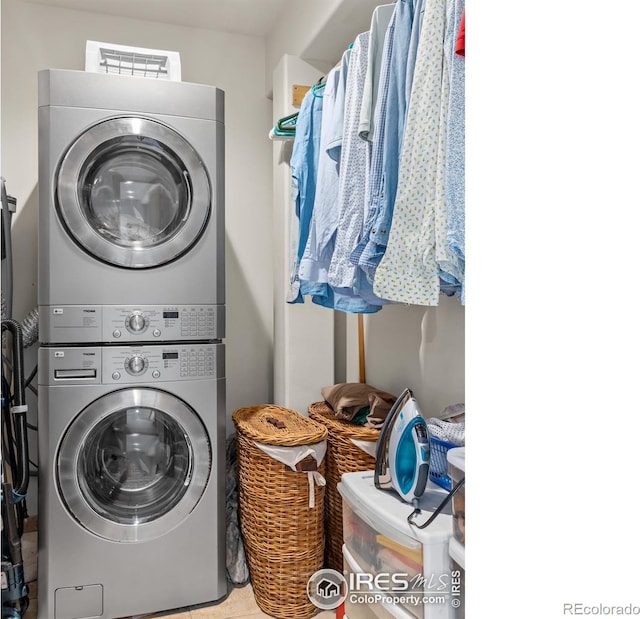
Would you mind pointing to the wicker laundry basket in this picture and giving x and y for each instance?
(343, 456)
(283, 535)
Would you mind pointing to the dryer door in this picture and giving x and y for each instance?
(133, 464)
(133, 193)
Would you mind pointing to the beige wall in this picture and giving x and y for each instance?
(36, 37)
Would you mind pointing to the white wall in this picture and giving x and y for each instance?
(315, 30)
(421, 348)
(303, 360)
(35, 37)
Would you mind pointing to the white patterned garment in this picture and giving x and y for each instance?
(408, 273)
(354, 171)
(454, 184)
(450, 264)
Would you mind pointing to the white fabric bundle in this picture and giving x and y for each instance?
(449, 431)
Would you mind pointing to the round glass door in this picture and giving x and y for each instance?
(133, 464)
(134, 193)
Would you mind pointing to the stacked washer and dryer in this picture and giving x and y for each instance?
(131, 364)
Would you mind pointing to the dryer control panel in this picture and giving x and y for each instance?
(131, 364)
(75, 324)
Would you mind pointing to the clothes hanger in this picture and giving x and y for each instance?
(276, 135)
(288, 123)
(285, 128)
(318, 86)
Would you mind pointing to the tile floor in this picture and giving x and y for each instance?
(239, 604)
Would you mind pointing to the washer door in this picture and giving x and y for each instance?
(133, 464)
(133, 193)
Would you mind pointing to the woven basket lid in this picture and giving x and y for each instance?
(323, 413)
(275, 425)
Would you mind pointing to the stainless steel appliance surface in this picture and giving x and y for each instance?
(131, 193)
(131, 448)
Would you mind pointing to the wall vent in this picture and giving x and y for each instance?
(114, 59)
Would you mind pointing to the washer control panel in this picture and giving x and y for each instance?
(160, 363)
(72, 324)
(132, 364)
(184, 322)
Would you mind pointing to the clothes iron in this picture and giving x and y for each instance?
(402, 452)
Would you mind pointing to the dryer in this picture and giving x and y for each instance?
(132, 484)
(131, 204)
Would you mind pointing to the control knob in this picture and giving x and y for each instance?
(136, 323)
(136, 365)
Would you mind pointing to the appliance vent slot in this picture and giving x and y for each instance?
(142, 65)
(114, 59)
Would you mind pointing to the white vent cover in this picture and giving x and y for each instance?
(137, 61)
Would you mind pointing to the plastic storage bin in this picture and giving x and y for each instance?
(380, 541)
(369, 605)
(455, 468)
(281, 521)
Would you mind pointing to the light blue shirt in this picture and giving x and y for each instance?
(354, 170)
(379, 24)
(316, 259)
(418, 14)
(304, 173)
(314, 266)
(354, 178)
(374, 194)
(395, 113)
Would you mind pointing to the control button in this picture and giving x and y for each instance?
(155, 374)
(157, 333)
(116, 375)
(117, 333)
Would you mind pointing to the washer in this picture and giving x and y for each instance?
(132, 485)
(131, 195)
